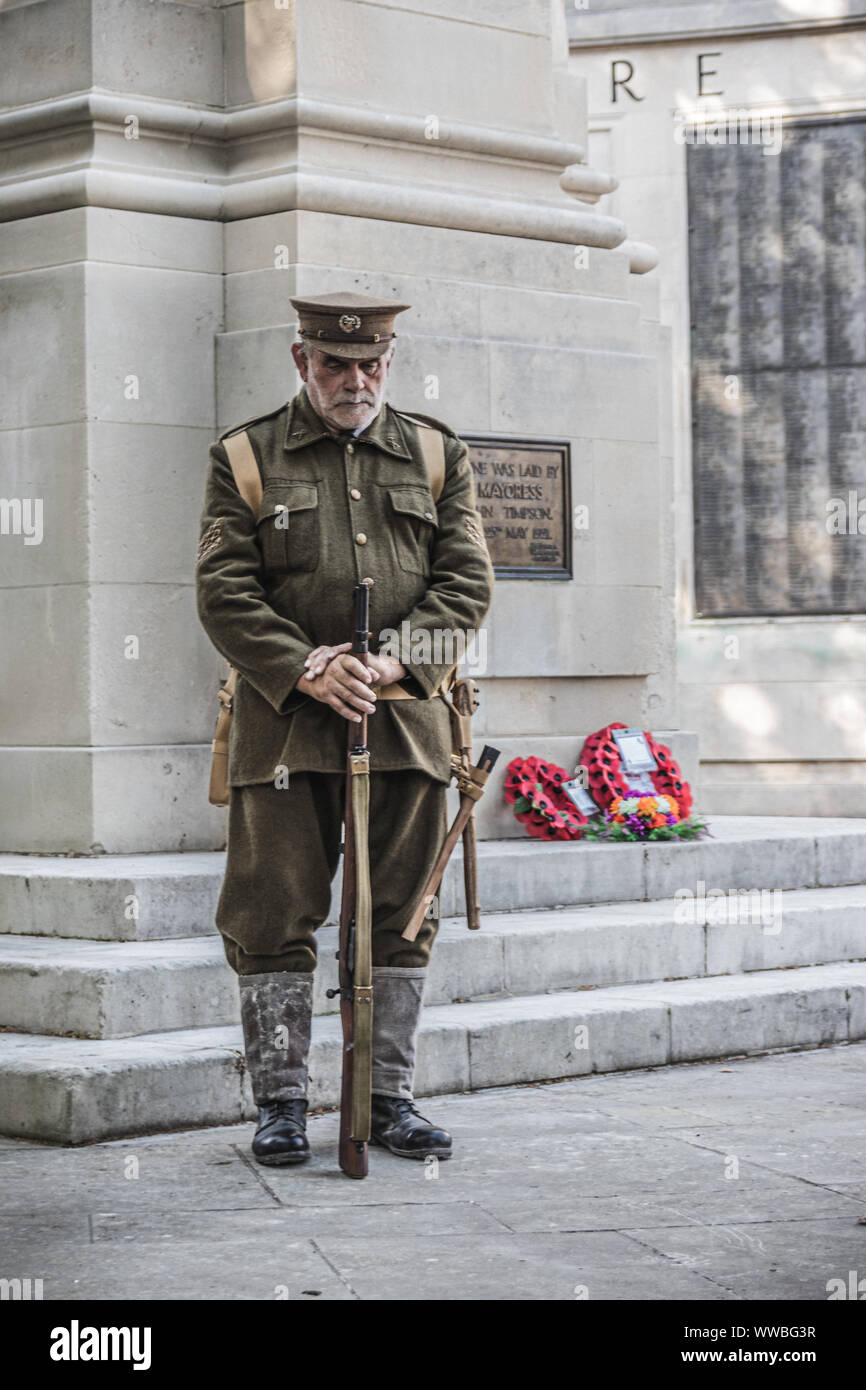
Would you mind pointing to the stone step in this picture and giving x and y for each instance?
(120, 989)
(123, 897)
(71, 1091)
(146, 897)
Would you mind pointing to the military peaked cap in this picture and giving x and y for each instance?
(348, 324)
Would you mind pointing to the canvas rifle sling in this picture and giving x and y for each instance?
(362, 977)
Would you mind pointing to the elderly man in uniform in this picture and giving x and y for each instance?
(346, 496)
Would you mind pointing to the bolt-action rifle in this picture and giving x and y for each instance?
(355, 954)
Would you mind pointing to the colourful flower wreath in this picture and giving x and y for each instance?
(637, 816)
(534, 788)
(606, 780)
(642, 812)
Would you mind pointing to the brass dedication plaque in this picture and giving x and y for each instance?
(523, 491)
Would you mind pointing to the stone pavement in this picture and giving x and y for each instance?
(729, 1180)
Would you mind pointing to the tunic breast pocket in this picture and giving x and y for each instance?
(414, 526)
(288, 526)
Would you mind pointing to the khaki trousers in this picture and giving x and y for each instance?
(283, 852)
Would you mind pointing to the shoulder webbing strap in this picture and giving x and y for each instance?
(249, 481)
(246, 473)
(433, 449)
(245, 469)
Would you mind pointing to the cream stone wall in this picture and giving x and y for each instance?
(779, 704)
(170, 175)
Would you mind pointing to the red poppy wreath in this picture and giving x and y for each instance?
(533, 787)
(606, 780)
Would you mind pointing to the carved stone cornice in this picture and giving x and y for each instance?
(193, 161)
(199, 123)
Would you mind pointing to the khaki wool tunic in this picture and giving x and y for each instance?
(272, 587)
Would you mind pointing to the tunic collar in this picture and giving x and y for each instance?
(305, 427)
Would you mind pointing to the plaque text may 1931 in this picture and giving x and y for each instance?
(522, 489)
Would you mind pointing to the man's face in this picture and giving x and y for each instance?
(347, 394)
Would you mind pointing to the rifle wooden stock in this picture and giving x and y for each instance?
(355, 953)
(471, 785)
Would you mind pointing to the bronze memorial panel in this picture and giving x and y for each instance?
(523, 492)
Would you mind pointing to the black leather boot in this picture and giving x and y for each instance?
(397, 1125)
(276, 1011)
(281, 1135)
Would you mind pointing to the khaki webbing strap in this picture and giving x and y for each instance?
(240, 455)
(245, 469)
(471, 782)
(399, 692)
(227, 690)
(218, 791)
(362, 980)
(433, 449)
(395, 692)
(461, 729)
(248, 480)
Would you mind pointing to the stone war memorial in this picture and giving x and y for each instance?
(174, 175)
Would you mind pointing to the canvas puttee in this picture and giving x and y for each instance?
(248, 479)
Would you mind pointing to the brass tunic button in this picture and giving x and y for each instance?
(355, 493)
(361, 538)
(350, 448)
(366, 581)
(429, 516)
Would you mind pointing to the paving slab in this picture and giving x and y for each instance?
(264, 1264)
(725, 1205)
(804, 1148)
(518, 1267)
(582, 1188)
(308, 1221)
(765, 1260)
(178, 1171)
